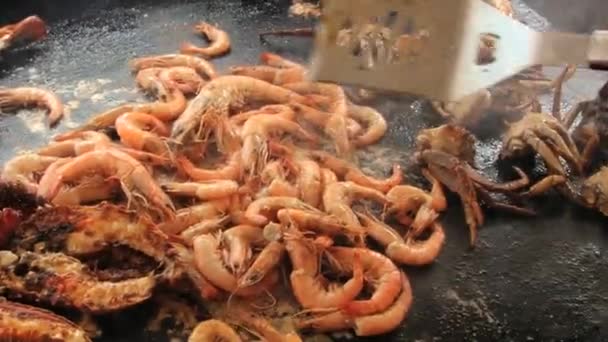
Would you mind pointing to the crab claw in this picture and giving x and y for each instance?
(31, 28)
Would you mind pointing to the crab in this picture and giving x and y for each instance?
(594, 191)
(593, 127)
(510, 99)
(448, 153)
(544, 134)
(31, 28)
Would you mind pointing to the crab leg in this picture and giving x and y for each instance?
(543, 149)
(492, 203)
(297, 32)
(522, 182)
(562, 148)
(544, 185)
(580, 107)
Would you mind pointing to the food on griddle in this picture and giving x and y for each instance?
(14, 98)
(301, 8)
(219, 42)
(213, 330)
(30, 29)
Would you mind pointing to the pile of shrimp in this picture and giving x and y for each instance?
(251, 175)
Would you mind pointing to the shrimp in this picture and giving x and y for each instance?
(280, 187)
(220, 42)
(282, 111)
(204, 68)
(184, 257)
(328, 177)
(92, 189)
(116, 164)
(407, 253)
(321, 118)
(318, 222)
(31, 28)
(213, 330)
(338, 198)
(267, 260)
(375, 324)
(374, 121)
(262, 327)
(255, 210)
(14, 98)
(309, 181)
(208, 112)
(207, 190)
(142, 131)
(75, 143)
(258, 130)
(406, 199)
(239, 240)
(381, 273)
(26, 168)
(230, 171)
(271, 74)
(312, 292)
(185, 79)
(209, 263)
(277, 61)
(187, 217)
(205, 226)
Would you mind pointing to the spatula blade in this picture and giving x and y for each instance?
(441, 63)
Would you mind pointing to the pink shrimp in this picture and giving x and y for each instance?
(239, 241)
(256, 210)
(75, 143)
(207, 190)
(318, 222)
(142, 131)
(268, 259)
(321, 118)
(220, 42)
(26, 168)
(270, 74)
(184, 78)
(15, 98)
(375, 123)
(230, 171)
(204, 68)
(309, 181)
(277, 61)
(338, 198)
(281, 111)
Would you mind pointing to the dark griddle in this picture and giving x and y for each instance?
(544, 278)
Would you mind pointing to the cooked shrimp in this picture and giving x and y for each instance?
(230, 171)
(328, 177)
(185, 79)
(380, 272)
(206, 226)
(277, 61)
(270, 74)
(209, 262)
(338, 198)
(75, 143)
(375, 123)
(208, 112)
(406, 199)
(15, 98)
(375, 324)
(282, 111)
(207, 190)
(312, 292)
(261, 327)
(309, 181)
(184, 257)
(189, 216)
(31, 28)
(116, 164)
(318, 222)
(278, 187)
(239, 240)
(204, 68)
(258, 130)
(26, 168)
(213, 330)
(92, 189)
(219, 39)
(414, 253)
(255, 211)
(320, 118)
(268, 259)
(142, 131)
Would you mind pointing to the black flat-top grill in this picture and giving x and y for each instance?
(542, 278)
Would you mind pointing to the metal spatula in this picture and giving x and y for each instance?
(431, 47)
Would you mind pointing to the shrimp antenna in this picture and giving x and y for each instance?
(273, 302)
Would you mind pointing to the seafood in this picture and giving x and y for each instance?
(274, 75)
(321, 118)
(352, 173)
(374, 324)
(261, 327)
(31, 28)
(321, 223)
(256, 210)
(92, 189)
(375, 123)
(142, 131)
(24, 169)
(338, 198)
(189, 216)
(268, 259)
(282, 111)
(231, 171)
(406, 252)
(219, 42)
(135, 179)
(75, 144)
(409, 200)
(204, 68)
(213, 330)
(239, 241)
(208, 112)
(207, 190)
(593, 192)
(258, 130)
(58, 279)
(14, 98)
(209, 263)
(184, 257)
(309, 181)
(185, 79)
(19, 322)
